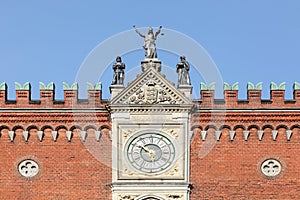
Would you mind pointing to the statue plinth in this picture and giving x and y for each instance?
(115, 90)
(186, 90)
(151, 62)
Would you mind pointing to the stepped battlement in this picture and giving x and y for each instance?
(207, 96)
(254, 96)
(47, 96)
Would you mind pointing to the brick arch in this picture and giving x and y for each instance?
(239, 126)
(295, 126)
(32, 127)
(46, 127)
(75, 127)
(224, 126)
(4, 127)
(253, 126)
(196, 126)
(61, 127)
(211, 126)
(17, 127)
(105, 126)
(268, 126)
(282, 126)
(90, 127)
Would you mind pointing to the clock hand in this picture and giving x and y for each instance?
(150, 152)
(152, 155)
(145, 148)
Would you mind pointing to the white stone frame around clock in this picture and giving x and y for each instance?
(143, 132)
(177, 171)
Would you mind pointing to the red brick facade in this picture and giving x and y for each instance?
(223, 165)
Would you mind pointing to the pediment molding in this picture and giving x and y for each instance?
(150, 90)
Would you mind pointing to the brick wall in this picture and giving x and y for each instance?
(227, 169)
(224, 164)
(69, 170)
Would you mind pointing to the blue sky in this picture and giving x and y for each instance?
(46, 41)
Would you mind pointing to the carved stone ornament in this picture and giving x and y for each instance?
(127, 197)
(28, 168)
(271, 167)
(150, 88)
(174, 196)
(151, 93)
(172, 132)
(173, 171)
(126, 133)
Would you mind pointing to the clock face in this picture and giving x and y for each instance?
(150, 152)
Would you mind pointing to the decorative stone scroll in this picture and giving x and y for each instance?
(127, 197)
(175, 196)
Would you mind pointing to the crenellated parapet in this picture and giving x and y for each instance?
(3, 92)
(296, 92)
(207, 96)
(231, 92)
(47, 96)
(254, 96)
(254, 93)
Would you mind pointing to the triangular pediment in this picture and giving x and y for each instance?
(150, 88)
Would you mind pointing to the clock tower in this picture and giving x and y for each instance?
(150, 137)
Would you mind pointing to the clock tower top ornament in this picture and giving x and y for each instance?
(149, 42)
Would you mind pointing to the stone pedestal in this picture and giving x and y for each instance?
(147, 63)
(186, 90)
(115, 90)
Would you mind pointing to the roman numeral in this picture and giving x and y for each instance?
(166, 152)
(164, 159)
(151, 140)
